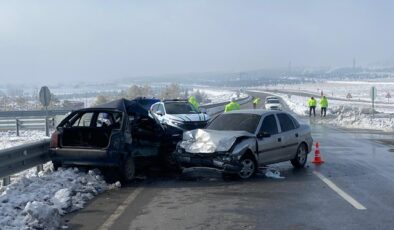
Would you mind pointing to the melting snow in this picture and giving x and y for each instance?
(37, 201)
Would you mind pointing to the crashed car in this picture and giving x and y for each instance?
(118, 134)
(239, 142)
(179, 116)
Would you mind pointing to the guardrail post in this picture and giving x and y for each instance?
(46, 126)
(6, 181)
(17, 126)
(39, 168)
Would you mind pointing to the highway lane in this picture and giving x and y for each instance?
(356, 164)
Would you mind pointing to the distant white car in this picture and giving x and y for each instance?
(272, 103)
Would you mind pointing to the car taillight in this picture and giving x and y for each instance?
(55, 140)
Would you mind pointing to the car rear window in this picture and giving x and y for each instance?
(180, 108)
(236, 122)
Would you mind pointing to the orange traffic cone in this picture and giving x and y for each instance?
(318, 159)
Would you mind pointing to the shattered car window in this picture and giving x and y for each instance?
(109, 120)
(236, 122)
(180, 108)
(84, 120)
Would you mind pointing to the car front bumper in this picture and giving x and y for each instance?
(223, 162)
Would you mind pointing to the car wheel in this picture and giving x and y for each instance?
(128, 169)
(299, 160)
(249, 167)
(56, 165)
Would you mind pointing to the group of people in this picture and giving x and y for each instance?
(312, 103)
(233, 105)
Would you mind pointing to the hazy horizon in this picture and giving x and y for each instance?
(50, 42)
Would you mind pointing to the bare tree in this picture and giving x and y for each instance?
(171, 91)
(139, 91)
(100, 99)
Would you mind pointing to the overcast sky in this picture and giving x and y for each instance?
(54, 41)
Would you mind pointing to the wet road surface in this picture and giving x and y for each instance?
(359, 167)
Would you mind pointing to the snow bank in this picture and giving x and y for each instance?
(36, 201)
(343, 114)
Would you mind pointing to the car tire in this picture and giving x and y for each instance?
(128, 169)
(300, 159)
(56, 165)
(249, 167)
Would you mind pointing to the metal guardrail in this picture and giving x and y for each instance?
(33, 123)
(16, 159)
(19, 158)
(33, 113)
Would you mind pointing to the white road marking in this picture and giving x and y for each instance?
(119, 211)
(340, 192)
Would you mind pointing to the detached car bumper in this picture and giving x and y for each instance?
(223, 162)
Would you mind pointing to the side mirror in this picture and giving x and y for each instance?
(160, 113)
(263, 135)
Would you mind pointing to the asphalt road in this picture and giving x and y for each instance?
(353, 189)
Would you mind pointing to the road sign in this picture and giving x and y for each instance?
(373, 93)
(45, 96)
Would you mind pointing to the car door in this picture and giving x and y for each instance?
(289, 136)
(269, 146)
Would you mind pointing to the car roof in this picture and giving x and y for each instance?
(255, 111)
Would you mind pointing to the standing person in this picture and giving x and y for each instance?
(255, 102)
(323, 106)
(232, 106)
(192, 100)
(312, 106)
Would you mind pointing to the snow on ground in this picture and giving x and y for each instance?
(219, 96)
(9, 138)
(342, 114)
(359, 90)
(37, 201)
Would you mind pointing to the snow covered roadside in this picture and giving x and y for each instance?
(219, 96)
(37, 201)
(342, 114)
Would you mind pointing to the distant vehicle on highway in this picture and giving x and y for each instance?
(179, 116)
(239, 142)
(120, 134)
(272, 103)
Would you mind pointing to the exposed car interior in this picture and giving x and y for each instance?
(90, 129)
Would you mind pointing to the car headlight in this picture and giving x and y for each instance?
(177, 123)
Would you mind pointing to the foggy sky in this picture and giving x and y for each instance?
(57, 41)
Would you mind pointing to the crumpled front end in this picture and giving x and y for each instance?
(209, 148)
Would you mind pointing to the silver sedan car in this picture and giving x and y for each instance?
(239, 142)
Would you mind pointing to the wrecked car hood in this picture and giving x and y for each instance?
(210, 141)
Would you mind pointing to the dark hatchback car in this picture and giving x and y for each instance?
(118, 134)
